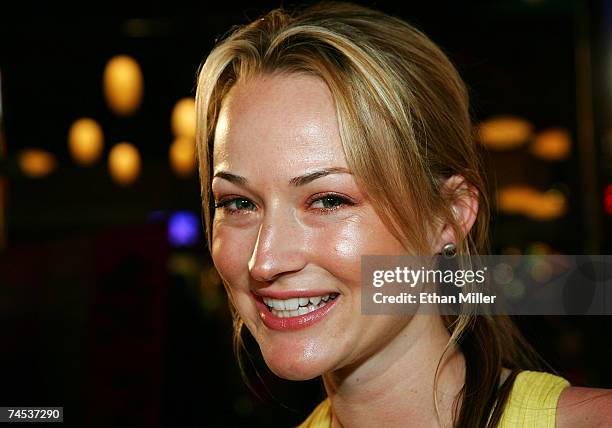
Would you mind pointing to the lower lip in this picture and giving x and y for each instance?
(292, 323)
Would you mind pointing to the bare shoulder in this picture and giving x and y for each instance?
(584, 407)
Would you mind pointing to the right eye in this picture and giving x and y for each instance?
(235, 205)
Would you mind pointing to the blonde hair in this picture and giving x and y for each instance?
(403, 115)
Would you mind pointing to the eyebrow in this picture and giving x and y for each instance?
(300, 180)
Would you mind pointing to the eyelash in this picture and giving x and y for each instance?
(343, 201)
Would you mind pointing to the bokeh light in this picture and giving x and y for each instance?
(183, 119)
(549, 205)
(182, 156)
(123, 85)
(503, 273)
(552, 145)
(516, 199)
(124, 163)
(504, 132)
(36, 163)
(85, 141)
(183, 228)
(608, 199)
(532, 203)
(541, 271)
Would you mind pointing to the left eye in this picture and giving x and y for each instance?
(329, 202)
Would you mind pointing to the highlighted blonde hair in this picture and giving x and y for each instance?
(403, 114)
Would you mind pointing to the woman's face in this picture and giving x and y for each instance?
(291, 225)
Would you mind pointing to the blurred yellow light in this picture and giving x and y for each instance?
(531, 202)
(516, 199)
(124, 163)
(183, 118)
(504, 132)
(123, 85)
(182, 156)
(552, 144)
(85, 141)
(548, 206)
(36, 163)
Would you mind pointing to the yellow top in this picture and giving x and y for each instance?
(532, 403)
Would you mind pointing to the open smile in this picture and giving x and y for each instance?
(295, 312)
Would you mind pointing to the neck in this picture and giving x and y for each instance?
(396, 384)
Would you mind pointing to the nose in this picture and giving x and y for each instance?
(280, 246)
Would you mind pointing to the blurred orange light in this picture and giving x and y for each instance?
(532, 203)
(182, 156)
(124, 163)
(504, 132)
(516, 199)
(85, 141)
(123, 85)
(553, 144)
(548, 206)
(36, 163)
(183, 118)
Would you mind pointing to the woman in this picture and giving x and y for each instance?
(337, 132)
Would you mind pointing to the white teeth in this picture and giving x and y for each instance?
(297, 305)
(279, 305)
(292, 304)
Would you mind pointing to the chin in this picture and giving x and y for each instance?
(295, 364)
(293, 371)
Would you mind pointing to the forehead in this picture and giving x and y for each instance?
(287, 118)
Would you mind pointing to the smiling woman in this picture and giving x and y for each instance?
(339, 132)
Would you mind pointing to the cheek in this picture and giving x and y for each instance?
(230, 252)
(339, 246)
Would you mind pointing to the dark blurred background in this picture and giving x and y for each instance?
(109, 305)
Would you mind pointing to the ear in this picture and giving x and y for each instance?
(464, 198)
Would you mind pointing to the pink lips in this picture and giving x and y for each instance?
(292, 323)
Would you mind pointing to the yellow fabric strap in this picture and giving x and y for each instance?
(532, 403)
(533, 400)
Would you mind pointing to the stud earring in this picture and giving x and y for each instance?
(449, 250)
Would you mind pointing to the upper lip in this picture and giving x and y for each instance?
(289, 294)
